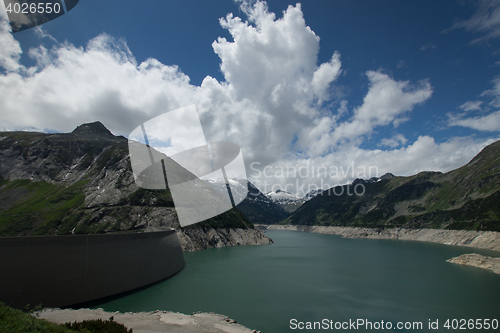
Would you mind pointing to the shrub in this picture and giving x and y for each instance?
(98, 326)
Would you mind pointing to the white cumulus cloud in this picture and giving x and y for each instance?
(275, 100)
(10, 51)
(482, 122)
(490, 122)
(395, 141)
(387, 101)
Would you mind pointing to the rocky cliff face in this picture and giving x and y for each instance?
(201, 239)
(79, 182)
(82, 182)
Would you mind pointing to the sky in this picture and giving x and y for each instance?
(315, 93)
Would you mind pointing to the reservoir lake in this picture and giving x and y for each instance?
(312, 277)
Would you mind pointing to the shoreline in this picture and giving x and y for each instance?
(151, 322)
(484, 240)
(477, 260)
(198, 239)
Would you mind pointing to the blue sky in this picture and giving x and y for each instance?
(403, 86)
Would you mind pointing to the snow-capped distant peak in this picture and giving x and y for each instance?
(232, 182)
(282, 195)
(286, 200)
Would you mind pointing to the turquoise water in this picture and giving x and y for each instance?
(311, 277)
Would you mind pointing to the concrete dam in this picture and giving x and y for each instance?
(59, 271)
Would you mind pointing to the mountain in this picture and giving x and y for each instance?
(92, 130)
(465, 198)
(291, 202)
(81, 182)
(239, 187)
(257, 207)
(288, 201)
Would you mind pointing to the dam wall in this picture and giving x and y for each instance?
(59, 271)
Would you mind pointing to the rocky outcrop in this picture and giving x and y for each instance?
(489, 240)
(198, 239)
(477, 260)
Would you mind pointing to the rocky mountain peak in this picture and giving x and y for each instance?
(373, 179)
(95, 128)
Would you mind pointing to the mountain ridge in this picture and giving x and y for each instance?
(464, 198)
(79, 183)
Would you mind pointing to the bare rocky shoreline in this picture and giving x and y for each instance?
(477, 260)
(486, 240)
(198, 239)
(151, 322)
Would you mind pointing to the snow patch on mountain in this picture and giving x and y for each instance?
(286, 200)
